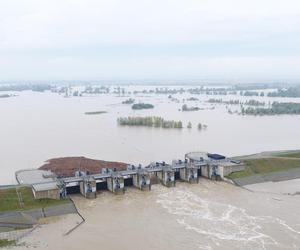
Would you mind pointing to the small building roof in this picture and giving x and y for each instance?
(45, 186)
(34, 176)
(216, 156)
(197, 156)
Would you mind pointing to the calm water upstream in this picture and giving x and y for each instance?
(38, 126)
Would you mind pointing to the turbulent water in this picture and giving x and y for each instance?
(208, 215)
(38, 126)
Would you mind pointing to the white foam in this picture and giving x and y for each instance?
(217, 221)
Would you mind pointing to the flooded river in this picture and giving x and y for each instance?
(208, 215)
(38, 126)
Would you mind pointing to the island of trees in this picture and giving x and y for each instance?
(142, 106)
(23, 87)
(5, 96)
(254, 103)
(95, 112)
(289, 92)
(237, 102)
(276, 108)
(186, 108)
(192, 99)
(232, 102)
(201, 126)
(128, 101)
(149, 121)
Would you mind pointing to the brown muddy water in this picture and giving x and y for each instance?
(35, 127)
(208, 215)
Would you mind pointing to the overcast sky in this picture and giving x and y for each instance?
(155, 39)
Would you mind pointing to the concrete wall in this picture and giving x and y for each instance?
(234, 168)
(205, 171)
(142, 181)
(112, 184)
(88, 188)
(187, 173)
(208, 171)
(168, 178)
(50, 194)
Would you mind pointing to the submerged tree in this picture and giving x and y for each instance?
(200, 126)
(149, 121)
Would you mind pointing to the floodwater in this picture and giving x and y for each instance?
(35, 127)
(208, 215)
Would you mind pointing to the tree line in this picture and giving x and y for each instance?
(149, 121)
(276, 108)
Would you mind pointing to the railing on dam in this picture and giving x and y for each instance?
(207, 168)
(211, 166)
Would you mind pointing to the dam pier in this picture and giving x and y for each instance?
(195, 165)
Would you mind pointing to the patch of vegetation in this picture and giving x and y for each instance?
(150, 121)
(77, 93)
(20, 87)
(9, 200)
(186, 108)
(201, 126)
(265, 166)
(7, 243)
(249, 93)
(5, 96)
(289, 92)
(253, 86)
(277, 108)
(95, 113)
(213, 100)
(231, 102)
(290, 155)
(142, 106)
(192, 99)
(255, 103)
(128, 101)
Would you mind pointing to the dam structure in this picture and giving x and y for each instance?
(195, 165)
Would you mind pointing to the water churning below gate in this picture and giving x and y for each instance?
(208, 215)
(223, 224)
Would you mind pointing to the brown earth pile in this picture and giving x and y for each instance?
(67, 166)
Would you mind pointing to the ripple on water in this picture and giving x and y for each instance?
(219, 222)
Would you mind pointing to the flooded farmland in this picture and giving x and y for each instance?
(38, 126)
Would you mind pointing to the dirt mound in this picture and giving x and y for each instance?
(67, 166)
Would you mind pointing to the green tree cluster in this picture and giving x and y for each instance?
(149, 121)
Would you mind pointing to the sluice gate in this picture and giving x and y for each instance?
(195, 165)
(136, 176)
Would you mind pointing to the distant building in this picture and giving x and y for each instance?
(214, 166)
(44, 183)
(46, 190)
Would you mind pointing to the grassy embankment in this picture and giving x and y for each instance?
(9, 200)
(7, 243)
(268, 165)
(290, 155)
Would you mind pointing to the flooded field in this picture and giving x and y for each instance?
(39, 126)
(208, 215)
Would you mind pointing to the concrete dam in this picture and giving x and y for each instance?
(195, 165)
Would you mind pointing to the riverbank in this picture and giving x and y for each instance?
(272, 166)
(21, 199)
(20, 212)
(259, 176)
(208, 215)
